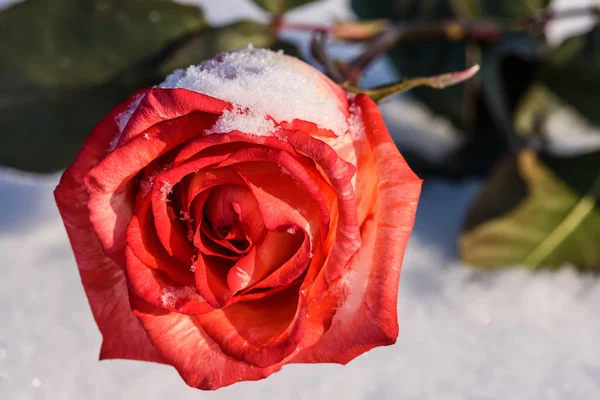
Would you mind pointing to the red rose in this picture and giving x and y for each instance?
(244, 215)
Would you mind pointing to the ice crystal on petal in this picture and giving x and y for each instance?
(165, 190)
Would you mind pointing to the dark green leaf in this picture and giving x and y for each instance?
(537, 211)
(65, 64)
(278, 7)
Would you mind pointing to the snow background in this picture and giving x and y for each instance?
(510, 334)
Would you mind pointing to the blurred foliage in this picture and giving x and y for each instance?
(537, 210)
(65, 64)
(277, 7)
(556, 220)
(538, 207)
(482, 110)
(416, 59)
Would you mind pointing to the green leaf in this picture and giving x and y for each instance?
(65, 64)
(212, 41)
(537, 211)
(278, 7)
(437, 82)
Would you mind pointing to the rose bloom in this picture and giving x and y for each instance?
(245, 214)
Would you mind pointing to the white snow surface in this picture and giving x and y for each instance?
(261, 83)
(512, 334)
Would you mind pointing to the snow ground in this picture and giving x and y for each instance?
(511, 334)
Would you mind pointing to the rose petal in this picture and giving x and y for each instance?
(195, 355)
(289, 270)
(227, 205)
(166, 104)
(292, 199)
(169, 229)
(284, 202)
(211, 177)
(347, 235)
(109, 183)
(104, 281)
(278, 252)
(368, 291)
(142, 240)
(307, 127)
(199, 187)
(213, 246)
(261, 332)
(354, 148)
(211, 279)
(154, 287)
(232, 142)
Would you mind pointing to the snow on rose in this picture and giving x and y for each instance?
(245, 214)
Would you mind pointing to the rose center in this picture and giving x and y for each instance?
(223, 214)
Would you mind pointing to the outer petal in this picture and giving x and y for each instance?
(103, 280)
(367, 317)
(262, 331)
(166, 104)
(197, 358)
